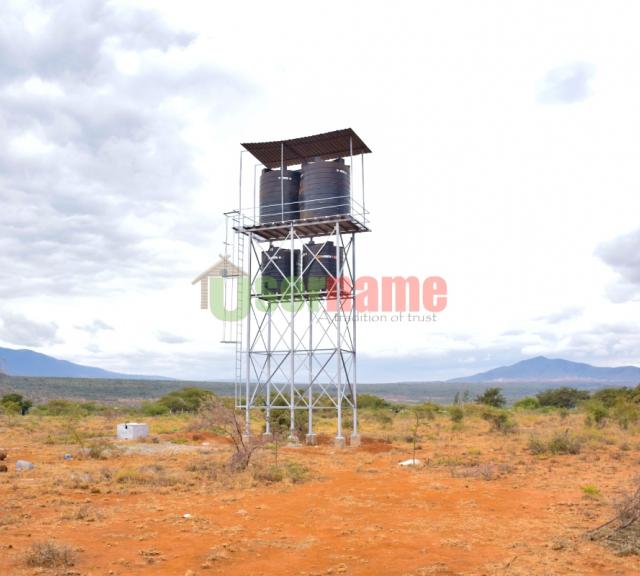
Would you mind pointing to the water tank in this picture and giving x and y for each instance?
(319, 266)
(324, 189)
(279, 195)
(275, 270)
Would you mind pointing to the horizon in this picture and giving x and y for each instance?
(454, 380)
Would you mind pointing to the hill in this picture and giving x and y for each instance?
(555, 371)
(29, 363)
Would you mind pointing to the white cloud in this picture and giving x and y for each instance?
(18, 330)
(623, 255)
(567, 84)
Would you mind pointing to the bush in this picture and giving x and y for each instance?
(625, 413)
(597, 413)
(385, 420)
(184, 400)
(49, 555)
(562, 397)
(154, 409)
(154, 475)
(68, 408)
(456, 413)
(281, 420)
(559, 443)
(99, 449)
(499, 420)
(591, 491)
(527, 403)
(492, 397)
(373, 402)
(270, 474)
(296, 472)
(15, 404)
(611, 396)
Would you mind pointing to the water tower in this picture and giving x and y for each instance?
(300, 209)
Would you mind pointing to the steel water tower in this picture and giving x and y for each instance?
(300, 208)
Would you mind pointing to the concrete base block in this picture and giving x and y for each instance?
(311, 439)
(293, 440)
(267, 436)
(355, 440)
(339, 442)
(247, 438)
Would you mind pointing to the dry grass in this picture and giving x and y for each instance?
(49, 555)
(153, 475)
(559, 443)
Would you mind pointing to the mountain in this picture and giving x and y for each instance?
(556, 370)
(30, 363)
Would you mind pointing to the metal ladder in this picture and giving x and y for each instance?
(240, 295)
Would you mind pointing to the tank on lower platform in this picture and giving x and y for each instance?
(275, 270)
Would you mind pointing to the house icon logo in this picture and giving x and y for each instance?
(223, 268)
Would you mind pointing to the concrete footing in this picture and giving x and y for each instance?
(293, 440)
(339, 442)
(311, 439)
(267, 436)
(355, 440)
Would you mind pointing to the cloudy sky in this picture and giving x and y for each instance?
(505, 139)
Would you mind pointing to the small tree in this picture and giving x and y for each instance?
(456, 413)
(15, 404)
(492, 397)
(216, 416)
(563, 397)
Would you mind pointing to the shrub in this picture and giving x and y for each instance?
(373, 402)
(611, 396)
(49, 555)
(99, 449)
(185, 400)
(492, 397)
(382, 418)
(499, 420)
(591, 491)
(625, 413)
(597, 412)
(559, 443)
(564, 443)
(15, 404)
(562, 397)
(154, 409)
(216, 416)
(153, 475)
(296, 472)
(269, 474)
(68, 408)
(456, 413)
(527, 403)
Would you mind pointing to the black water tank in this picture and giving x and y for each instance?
(275, 269)
(279, 195)
(319, 266)
(324, 189)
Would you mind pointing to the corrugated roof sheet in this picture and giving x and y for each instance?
(336, 144)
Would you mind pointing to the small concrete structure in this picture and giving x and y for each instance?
(132, 430)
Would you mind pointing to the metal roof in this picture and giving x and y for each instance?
(336, 144)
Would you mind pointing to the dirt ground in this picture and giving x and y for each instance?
(480, 504)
